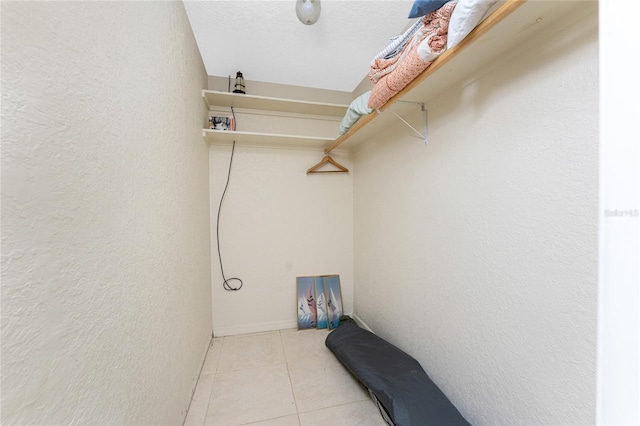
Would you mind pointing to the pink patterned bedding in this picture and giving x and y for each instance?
(392, 75)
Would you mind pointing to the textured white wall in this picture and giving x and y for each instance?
(277, 223)
(477, 254)
(106, 303)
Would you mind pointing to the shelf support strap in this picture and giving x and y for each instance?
(423, 136)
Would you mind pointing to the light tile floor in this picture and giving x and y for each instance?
(279, 378)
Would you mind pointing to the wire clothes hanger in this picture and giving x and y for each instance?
(328, 160)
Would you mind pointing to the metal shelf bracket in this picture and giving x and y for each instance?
(423, 136)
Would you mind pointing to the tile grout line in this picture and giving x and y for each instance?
(243, 368)
(338, 405)
(224, 339)
(215, 373)
(195, 388)
(290, 381)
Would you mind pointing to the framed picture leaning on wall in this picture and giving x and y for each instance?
(321, 302)
(333, 297)
(306, 302)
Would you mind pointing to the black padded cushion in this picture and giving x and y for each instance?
(397, 380)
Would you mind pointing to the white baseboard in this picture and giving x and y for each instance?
(269, 326)
(361, 323)
(194, 382)
(254, 328)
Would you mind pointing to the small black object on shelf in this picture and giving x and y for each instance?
(239, 86)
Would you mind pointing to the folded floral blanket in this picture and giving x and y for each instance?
(392, 75)
(398, 42)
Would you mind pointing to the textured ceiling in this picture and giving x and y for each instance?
(265, 40)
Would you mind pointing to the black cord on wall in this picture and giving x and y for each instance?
(226, 281)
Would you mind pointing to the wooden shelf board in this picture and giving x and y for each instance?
(510, 25)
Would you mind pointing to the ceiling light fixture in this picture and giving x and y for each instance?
(308, 11)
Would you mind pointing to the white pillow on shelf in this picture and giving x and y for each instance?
(465, 17)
